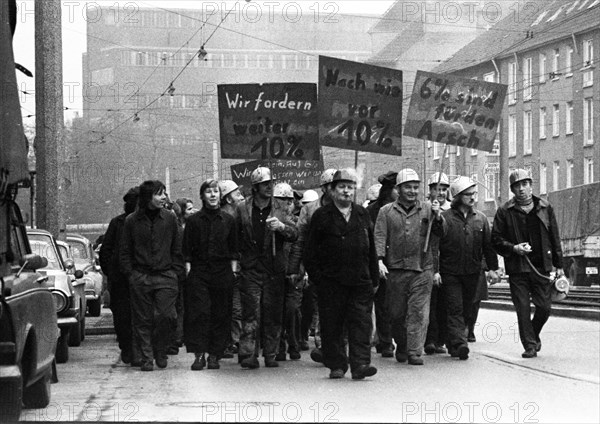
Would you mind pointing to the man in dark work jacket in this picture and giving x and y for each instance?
(151, 257)
(341, 259)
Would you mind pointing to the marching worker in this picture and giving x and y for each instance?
(310, 312)
(211, 253)
(465, 241)
(340, 257)
(525, 232)
(118, 284)
(436, 331)
(400, 235)
(372, 195)
(262, 234)
(230, 198)
(386, 194)
(151, 258)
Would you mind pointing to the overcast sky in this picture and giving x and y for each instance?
(74, 37)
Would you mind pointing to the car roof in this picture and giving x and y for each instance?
(38, 231)
(75, 236)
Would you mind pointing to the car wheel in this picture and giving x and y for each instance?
(62, 347)
(38, 394)
(95, 307)
(75, 335)
(11, 394)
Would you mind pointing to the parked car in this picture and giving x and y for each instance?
(86, 260)
(28, 324)
(68, 291)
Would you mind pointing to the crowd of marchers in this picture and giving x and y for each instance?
(253, 276)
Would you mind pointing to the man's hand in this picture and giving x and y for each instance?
(274, 224)
(560, 272)
(522, 249)
(437, 279)
(435, 208)
(383, 271)
(494, 277)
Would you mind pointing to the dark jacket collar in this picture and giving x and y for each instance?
(141, 214)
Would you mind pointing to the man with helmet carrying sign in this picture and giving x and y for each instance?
(525, 232)
(263, 266)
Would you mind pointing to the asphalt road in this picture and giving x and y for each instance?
(494, 385)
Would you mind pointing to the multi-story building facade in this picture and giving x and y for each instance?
(547, 54)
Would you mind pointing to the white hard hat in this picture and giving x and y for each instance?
(348, 174)
(327, 176)
(460, 184)
(260, 175)
(407, 175)
(283, 190)
(560, 289)
(227, 186)
(373, 192)
(310, 196)
(436, 177)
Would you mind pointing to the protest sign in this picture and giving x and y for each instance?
(300, 174)
(268, 121)
(360, 106)
(453, 110)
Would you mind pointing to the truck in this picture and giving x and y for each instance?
(577, 212)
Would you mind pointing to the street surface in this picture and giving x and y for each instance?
(495, 385)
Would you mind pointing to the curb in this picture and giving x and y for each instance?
(557, 311)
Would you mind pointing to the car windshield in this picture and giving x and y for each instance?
(80, 253)
(42, 245)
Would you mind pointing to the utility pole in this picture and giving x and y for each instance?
(49, 116)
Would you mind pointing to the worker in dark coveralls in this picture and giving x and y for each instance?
(262, 234)
(387, 194)
(341, 260)
(525, 232)
(118, 284)
(211, 253)
(400, 235)
(465, 241)
(151, 258)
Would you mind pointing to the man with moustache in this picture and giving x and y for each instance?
(464, 243)
(525, 232)
(341, 260)
(151, 258)
(400, 234)
(262, 235)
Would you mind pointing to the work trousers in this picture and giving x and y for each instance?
(408, 295)
(177, 332)
(310, 313)
(236, 314)
(383, 330)
(437, 328)
(292, 316)
(526, 288)
(261, 295)
(459, 292)
(153, 300)
(120, 306)
(207, 325)
(343, 307)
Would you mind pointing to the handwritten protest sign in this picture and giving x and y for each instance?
(360, 106)
(268, 121)
(453, 110)
(299, 174)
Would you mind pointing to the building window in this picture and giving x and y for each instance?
(588, 121)
(569, 173)
(527, 78)
(542, 67)
(126, 58)
(555, 175)
(588, 170)
(556, 121)
(512, 135)
(527, 132)
(555, 63)
(512, 82)
(588, 61)
(490, 186)
(569, 62)
(139, 59)
(569, 118)
(542, 122)
(543, 186)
